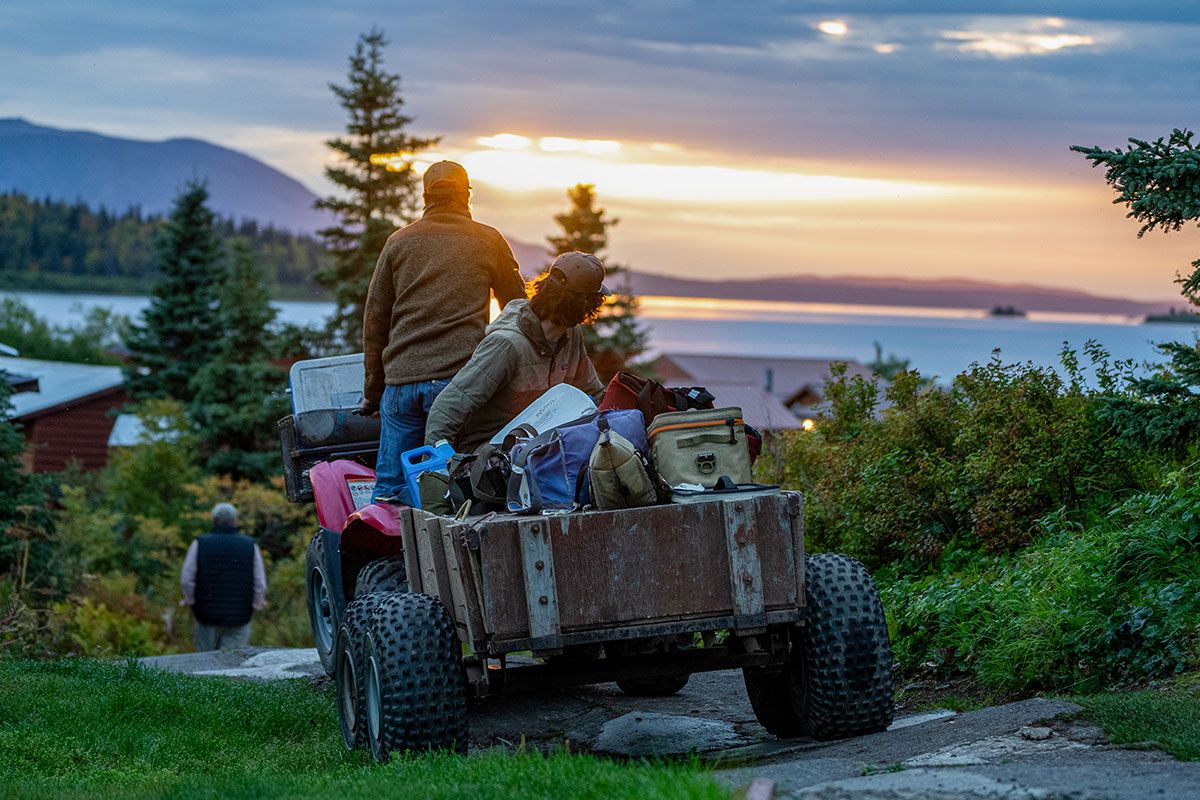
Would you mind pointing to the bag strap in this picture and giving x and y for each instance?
(583, 478)
(483, 458)
(646, 397)
(518, 474)
(522, 431)
(519, 458)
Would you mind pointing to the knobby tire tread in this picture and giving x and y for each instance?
(422, 689)
(382, 575)
(847, 657)
(352, 637)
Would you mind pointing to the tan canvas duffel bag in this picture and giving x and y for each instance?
(699, 446)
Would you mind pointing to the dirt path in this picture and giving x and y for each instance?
(1027, 750)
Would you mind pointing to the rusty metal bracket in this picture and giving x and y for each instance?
(541, 593)
(745, 571)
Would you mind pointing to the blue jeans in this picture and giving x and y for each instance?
(403, 411)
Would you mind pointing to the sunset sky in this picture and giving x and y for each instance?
(881, 138)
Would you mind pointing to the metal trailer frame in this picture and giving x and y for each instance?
(628, 580)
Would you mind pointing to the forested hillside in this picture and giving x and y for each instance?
(47, 244)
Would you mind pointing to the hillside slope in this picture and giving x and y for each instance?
(114, 173)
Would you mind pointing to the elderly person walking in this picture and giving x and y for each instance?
(224, 582)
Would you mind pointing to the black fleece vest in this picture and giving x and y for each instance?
(224, 579)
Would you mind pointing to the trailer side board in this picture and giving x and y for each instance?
(640, 566)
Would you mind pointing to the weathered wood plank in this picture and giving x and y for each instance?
(412, 558)
(454, 576)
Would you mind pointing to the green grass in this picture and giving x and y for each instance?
(1167, 718)
(103, 730)
(952, 702)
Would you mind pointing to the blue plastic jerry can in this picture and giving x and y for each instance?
(423, 459)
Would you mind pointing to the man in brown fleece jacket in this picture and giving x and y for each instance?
(426, 310)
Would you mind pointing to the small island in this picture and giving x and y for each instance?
(1006, 311)
(1177, 315)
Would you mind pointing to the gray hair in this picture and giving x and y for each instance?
(224, 514)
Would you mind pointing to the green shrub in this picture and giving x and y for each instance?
(974, 465)
(1115, 601)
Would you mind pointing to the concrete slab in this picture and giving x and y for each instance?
(923, 784)
(250, 663)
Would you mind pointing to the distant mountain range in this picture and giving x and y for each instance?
(115, 173)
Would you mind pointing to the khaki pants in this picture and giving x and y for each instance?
(213, 637)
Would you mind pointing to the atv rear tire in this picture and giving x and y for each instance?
(324, 605)
(414, 688)
(382, 575)
(837, 681)
(663, 686)
(351, 670)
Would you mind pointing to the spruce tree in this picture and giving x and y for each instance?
(1160, 183)
(238, 395)
(616, 337)
(182, 328)
(380, 189)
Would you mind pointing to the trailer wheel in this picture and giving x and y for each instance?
(837, 681)
(771, 697)
(847, 657)
(382, 575)
(351, 670)
(414, 689)
(663, 686)
(324, 606)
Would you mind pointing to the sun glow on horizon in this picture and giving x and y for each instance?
(530, 170)
(505, 141)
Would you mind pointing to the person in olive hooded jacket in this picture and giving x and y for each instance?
(533, 345)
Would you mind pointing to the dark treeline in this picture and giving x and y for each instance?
(54, 245)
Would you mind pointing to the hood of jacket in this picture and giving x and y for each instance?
(518, 317)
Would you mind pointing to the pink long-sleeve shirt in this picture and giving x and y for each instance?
(187, 577)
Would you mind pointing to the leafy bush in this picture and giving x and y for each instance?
(1115, 601)
(109, 618)
(108, 583)
(974, 465)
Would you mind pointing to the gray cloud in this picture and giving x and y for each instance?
(759, 79)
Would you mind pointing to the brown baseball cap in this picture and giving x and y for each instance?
(445, 177)
(582, 273)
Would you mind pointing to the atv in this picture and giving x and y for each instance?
(416, 615)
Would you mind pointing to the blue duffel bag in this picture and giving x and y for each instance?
(549, 469)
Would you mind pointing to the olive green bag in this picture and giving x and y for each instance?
(618, 475)
(698, 447)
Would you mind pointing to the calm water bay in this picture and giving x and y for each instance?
(940, 342)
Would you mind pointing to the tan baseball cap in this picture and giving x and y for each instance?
(582, 273)
(445, 177)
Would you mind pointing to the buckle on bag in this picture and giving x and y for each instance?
(706, 463)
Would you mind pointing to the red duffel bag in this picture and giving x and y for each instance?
(627, 390)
